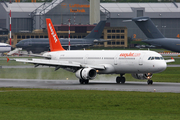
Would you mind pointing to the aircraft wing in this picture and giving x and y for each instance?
(36, 55)
(59, 63)
(169, 60)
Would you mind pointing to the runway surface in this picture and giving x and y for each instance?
(93, 85)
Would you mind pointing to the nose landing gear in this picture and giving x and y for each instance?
(149, 82)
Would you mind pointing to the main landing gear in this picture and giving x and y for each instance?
(82, 81)
(120, 79)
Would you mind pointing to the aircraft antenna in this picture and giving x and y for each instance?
(69, 35)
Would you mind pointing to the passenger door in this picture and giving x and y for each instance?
(116, 59)
(85, 59)
(141, 59)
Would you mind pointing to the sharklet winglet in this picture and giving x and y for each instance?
(7, 59)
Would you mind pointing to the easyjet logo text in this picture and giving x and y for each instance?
(130, 54)
(52, 33)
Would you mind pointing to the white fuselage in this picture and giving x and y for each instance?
(115, 61)
(4, 47)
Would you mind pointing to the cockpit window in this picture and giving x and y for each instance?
(155, 58)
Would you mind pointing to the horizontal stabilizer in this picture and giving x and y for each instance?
(127, 20)
(142, 20)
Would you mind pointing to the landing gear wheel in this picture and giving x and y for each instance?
(149, 82)
(81, 81)
(123, 79)
(118, 79)
(86, 81)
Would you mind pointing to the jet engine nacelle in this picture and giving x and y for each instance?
(86, 73)
(142, 76)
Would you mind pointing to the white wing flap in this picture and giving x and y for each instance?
(59, 63)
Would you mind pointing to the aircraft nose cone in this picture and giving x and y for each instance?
(162, 66)
(12, 48)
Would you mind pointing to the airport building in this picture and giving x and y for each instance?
(28, 19)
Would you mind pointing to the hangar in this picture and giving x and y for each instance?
(28, 19)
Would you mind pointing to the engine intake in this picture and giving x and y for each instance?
(86, 73)
(142, 76)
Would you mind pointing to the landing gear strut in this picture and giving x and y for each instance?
(149, 82)
(82, 81)
(120, 79)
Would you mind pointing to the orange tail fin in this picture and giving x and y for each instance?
(54, 42)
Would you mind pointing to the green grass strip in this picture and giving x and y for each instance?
(89, 105)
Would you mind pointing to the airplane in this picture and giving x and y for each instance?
(154, 36)
(38, 45)
(86, 64)
(5, 47)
